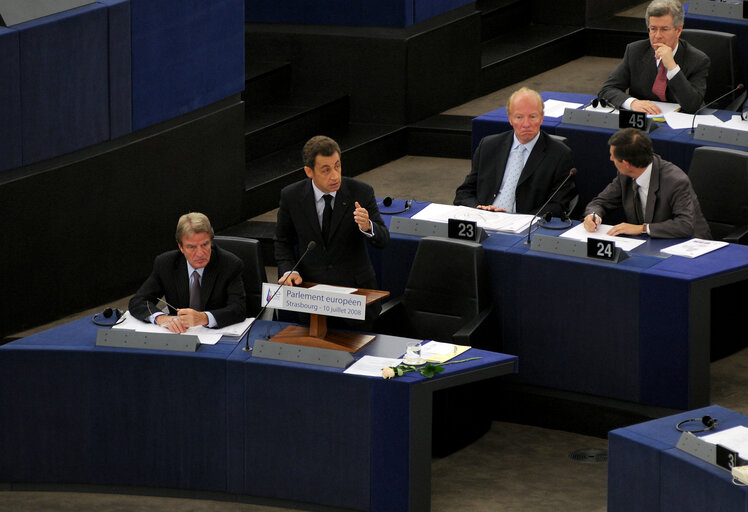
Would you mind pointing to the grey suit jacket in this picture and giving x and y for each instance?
(546, 168)
(672, 211)
(344, 260)
(638, 70)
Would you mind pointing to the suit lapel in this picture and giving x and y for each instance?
(533, 161)
(502, 156)
(343, 203)
(209, 278)
(654, 188)
(182, 281)
(309, 210)
(649, 65)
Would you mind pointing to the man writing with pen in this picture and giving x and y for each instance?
(201, 284)
(656, 196)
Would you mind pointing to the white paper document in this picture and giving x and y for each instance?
(331, 288)
(694, 248)
(736, 123)
(579, 233)
(205, 335)
(735, 439)
(371, 366)
(493, 221)
(665, 108)
(555, 108)
(679, 120)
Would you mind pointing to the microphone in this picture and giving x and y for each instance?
(310, 246)
(572, 172)
(739, 87)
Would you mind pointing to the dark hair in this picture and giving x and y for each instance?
(318, 145)
(633, 146)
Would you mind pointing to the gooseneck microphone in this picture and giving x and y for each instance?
(311, 245)
(572, 172)
(739, 87)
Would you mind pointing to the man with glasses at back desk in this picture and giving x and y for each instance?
(203, 282)
(663, 68)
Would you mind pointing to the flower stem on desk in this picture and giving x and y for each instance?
(428, 370)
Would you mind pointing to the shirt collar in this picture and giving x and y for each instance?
(318, 193)
(191, 269)
(643, 179)
(529, 146)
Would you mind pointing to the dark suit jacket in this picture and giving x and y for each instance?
(344, 260)
(672, 211)
(546, 167)
(638, 70)
(221, 288)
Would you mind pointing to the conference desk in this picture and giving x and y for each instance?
(220, 420)
(647, 472)
(639, 331)
(590, 144)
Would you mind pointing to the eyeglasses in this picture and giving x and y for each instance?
(661, 30)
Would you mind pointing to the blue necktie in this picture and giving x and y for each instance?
(515, 163)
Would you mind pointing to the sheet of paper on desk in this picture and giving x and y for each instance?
(555, 108)
(694, 248)
(440, 352)
(735, 439)
(665, 108)
(679, 120)
(205, 335)
(330, 288)
(493, 221)
(371, 366)
(579, 233)
(736, 123)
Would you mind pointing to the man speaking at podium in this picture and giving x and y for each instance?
(339, 214)
(203, 282)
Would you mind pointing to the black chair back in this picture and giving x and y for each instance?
(725, 72)
(248, 250)
(446, 287)
(720, 179)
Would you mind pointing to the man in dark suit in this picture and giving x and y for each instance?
(518, 171)
(339, 214)
(202, 282)
(663, 68)
(656, 196)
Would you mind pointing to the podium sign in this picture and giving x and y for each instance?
(315, 301)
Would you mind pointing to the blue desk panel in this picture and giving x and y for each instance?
(11, 127)
(186, 54)
(64, 82)
(647, 472)
(220, 420)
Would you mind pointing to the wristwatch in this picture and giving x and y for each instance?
(644, 229)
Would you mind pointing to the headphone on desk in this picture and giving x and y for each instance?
(708, 422)
(107, 313)
(387, 202)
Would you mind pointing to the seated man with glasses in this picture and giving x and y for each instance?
(201, 284)
(663, 68)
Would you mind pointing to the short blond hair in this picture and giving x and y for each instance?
(192, 223)
(524, 91)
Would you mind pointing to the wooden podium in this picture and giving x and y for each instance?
(317, 335)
